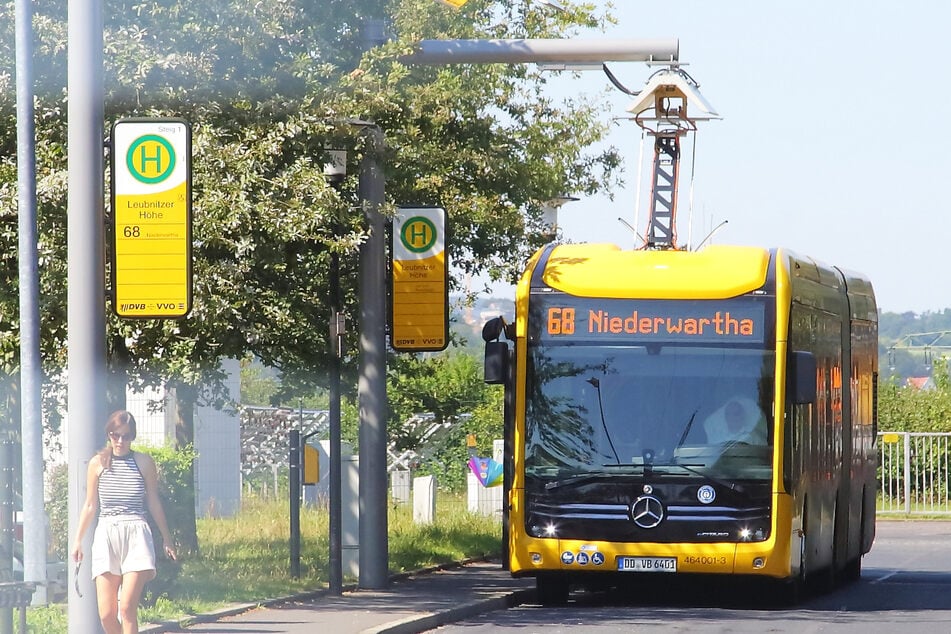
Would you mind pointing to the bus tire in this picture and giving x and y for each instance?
(794, 588)
(853, 568)
(551, 589)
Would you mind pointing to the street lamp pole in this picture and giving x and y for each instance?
(335, 171)
(371, 388)
(539, 51)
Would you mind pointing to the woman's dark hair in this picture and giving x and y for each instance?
(117, 419)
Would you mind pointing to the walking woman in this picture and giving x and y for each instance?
(121, 485)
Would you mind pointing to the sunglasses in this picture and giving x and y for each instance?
(119, 437)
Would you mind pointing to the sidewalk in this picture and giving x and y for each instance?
(411, 603)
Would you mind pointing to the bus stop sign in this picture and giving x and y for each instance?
(419, 315)
(151, 218)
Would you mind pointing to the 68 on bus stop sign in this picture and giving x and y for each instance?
(151, 218)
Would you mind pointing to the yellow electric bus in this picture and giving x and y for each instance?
(678, 412)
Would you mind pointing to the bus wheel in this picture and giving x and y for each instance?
(794, 589)
(853, 570)
(551, 589)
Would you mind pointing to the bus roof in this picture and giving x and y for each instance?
(605, 270)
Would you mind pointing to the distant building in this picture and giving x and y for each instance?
(920, 382)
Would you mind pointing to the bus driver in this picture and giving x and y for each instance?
(740, 420)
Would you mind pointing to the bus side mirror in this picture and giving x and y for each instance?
(493, 329)
(804, 377)
(496, 362)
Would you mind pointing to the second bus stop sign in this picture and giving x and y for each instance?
(419, 314)
(151, 218)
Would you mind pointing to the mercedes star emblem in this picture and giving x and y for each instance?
(647, 511)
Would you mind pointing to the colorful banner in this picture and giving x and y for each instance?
(487, 471)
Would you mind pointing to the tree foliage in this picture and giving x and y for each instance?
(450, 387)
(268, 86)
(902, 407)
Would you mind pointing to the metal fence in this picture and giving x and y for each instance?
(914, 470)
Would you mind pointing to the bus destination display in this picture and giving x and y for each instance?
(652, 320)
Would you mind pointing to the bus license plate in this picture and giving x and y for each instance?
(647, 564)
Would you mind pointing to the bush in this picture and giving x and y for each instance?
(57, 508)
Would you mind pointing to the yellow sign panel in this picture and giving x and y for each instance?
(420, 294)
(311, 465)
(151, 218)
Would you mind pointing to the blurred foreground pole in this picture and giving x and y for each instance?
(86, 361)
(31, 413)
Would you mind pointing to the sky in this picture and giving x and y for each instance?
(833, 139)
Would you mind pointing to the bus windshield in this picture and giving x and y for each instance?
(696, 411)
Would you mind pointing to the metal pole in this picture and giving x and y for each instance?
(907, 472)
(6, 519)
(508, 454)
(86, 293)
(374, 555)
(336, 504)
(31, 415)
(558, 51)
(294, 460)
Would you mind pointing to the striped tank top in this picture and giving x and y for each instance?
(122, 488)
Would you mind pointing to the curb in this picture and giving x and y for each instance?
(409, 625)
(425, 622)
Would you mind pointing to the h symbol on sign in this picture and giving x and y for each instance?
(145, 159)
(417, 233)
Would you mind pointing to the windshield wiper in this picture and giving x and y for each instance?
(683, 436)
(596, 384)
(693, 468)
(588, 477)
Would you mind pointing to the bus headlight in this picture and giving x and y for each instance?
(543, 530)
(752, 534)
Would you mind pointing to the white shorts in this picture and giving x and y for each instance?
(122, 544)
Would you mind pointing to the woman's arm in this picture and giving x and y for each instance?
(90, 506)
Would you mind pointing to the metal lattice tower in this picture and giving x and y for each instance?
(662, 232)
(661, 110)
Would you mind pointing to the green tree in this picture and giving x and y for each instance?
(450, 387)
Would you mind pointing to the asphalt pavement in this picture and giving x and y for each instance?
(414, 602)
